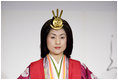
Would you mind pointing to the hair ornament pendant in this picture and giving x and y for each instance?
(57, 22)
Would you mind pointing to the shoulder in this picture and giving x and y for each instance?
(77, 61)
(74, 63)
(83, 66)
(73, 60)
(37, 62)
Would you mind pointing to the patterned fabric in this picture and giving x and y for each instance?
(85, 72)
(53, 71)
(51, 67)
(25, 74)
(46, 68)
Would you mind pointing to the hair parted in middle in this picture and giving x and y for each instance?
(44, 33)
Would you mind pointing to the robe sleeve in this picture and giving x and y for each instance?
(25, 74)
(86, 73)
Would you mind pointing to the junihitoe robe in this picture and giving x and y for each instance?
(71, 69)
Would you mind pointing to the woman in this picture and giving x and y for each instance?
(56, 48)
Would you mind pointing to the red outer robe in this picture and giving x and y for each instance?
(37, 69)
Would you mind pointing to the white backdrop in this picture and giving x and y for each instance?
(94, 26)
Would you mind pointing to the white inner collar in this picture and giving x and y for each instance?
(56, 64)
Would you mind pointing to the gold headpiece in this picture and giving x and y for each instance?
(57, 22)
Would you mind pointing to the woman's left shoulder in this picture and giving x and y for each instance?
(86, 73)
(73, 60)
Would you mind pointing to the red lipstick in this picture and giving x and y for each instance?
(57, 47)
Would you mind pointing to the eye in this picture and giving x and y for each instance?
(62, 37)
(52, 37)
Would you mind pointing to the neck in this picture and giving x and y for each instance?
(57, 57)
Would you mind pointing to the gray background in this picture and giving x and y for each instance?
(92, 23)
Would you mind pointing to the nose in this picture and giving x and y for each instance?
(57, 41)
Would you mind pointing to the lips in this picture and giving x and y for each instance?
(57, 47)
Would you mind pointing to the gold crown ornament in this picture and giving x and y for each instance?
(57, 22)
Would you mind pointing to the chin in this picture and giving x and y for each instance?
(57, 53)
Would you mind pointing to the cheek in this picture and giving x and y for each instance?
(50, 42)
(64, 43)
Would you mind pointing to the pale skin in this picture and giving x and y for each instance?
(56, 43)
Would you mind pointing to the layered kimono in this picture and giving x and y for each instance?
(47, 68)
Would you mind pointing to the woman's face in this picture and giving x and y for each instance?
(56, 41)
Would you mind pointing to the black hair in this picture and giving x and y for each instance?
(44, 33)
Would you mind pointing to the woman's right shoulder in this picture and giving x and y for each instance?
(37, 61)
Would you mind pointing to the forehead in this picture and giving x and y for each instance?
(60, 31)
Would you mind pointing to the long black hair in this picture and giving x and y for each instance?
(44, 33)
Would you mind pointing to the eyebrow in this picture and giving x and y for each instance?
(60, 34)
